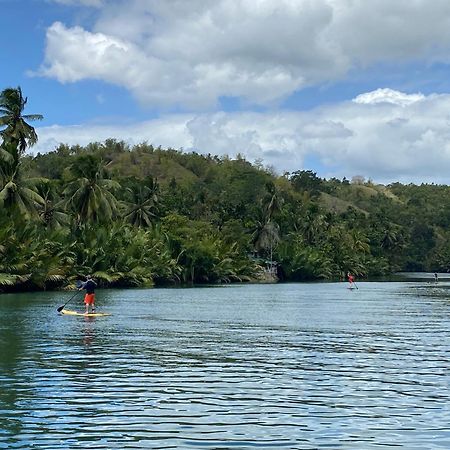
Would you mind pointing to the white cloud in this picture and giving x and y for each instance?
(192, 53)
(388, 96)
(189, 54)
(97, 55)
(167, 132)
(384, 141)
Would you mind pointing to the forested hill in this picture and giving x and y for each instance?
(142, 215)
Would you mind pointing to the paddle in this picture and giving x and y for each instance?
(78, 284)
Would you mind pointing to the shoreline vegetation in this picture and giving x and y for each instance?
(142, 216)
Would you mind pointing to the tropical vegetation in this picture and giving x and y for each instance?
(142, 215)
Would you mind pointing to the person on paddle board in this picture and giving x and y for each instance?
(351, 280)
(89, 298)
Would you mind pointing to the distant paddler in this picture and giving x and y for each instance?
(351, 281)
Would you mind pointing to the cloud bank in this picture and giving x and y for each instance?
(190, 54)
(395, 137)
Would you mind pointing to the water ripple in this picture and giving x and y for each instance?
(283, 366)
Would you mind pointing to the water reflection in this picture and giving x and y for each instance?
(16, 327)
(283, 366)
(88, 330)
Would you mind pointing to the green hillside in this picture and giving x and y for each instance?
(140, 215)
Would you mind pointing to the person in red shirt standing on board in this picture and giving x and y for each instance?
(351, 280)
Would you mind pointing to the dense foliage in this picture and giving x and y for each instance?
(135, 216)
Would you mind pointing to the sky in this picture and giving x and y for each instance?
(344, 88)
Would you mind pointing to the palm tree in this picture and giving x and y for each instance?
(89, 194)
(268, 238)
(272, 202)
(143, 205)
(313, 227)
(8, 160)
(51, 211)
(16, 193)
(392, 238)
(17, 131)
(300, 261)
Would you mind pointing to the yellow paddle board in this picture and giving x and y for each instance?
(69, 312)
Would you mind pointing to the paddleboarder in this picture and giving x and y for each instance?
(89, 298)
(351, 280)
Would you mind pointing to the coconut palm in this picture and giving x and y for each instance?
(268, 237)
(89, 194)
(266, 232)
(17, 131)
(16, 193)
(301, 261)
(272, 202)
(392, 238)
(51, 211)
(143, 205)
(30, 257)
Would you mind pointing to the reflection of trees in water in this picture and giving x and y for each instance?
(14, 333)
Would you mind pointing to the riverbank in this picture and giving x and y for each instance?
(264, 276)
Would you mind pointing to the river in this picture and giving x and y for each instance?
(285, 366)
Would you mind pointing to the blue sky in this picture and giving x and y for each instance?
(63, 104)
(341, 87)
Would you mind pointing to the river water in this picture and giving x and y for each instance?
(286, 366)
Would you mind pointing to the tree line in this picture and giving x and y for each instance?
(142, 215)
